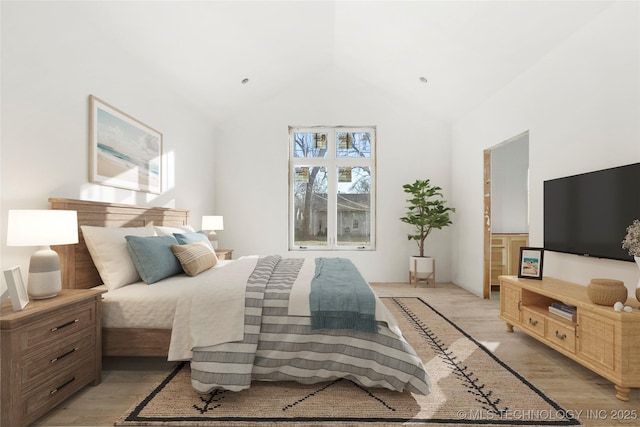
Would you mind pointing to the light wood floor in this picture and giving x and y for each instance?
(588, 396)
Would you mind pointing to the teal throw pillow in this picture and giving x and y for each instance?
(195, 237)
(153, 257)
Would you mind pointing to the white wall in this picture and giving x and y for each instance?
(581, 105)
(252, 169)
(53, 57)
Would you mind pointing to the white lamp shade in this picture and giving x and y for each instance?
(42, 227)
(212, 222)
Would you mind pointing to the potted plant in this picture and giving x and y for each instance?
(631, 243)
(426, 210)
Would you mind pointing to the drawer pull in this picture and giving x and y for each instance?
(533, 322)
(54, 360)
(562, 337)
(55, 390)
(65, 325)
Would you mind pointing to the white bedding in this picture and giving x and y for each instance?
(299, 298)
(218, 302)
(214, 313)
(140, 305)
(278, 346)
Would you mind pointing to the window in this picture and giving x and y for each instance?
(331, 188)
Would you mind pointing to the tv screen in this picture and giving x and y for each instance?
(588, 214)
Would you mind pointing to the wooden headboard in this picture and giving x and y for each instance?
(78, 270)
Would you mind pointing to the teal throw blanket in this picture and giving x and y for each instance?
(340, 298)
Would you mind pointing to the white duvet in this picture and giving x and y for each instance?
(140, 305)
(204, 310)
(214, 313)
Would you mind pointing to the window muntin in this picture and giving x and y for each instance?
(332, 180)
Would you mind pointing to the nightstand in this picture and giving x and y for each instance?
(49, 351)
(224, 253)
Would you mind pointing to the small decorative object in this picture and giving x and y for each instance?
(213, 223)
(631, 243)
(124, 152)
(618, 306)
(628, 308)
(17, 291)
(606, 291)
(426, 211)
(43, 228)
(530, 265)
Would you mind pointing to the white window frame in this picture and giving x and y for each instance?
(332, 162)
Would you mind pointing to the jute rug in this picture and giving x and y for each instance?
(469, 386)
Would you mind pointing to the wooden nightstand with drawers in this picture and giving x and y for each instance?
(49, 351)
(224, 253)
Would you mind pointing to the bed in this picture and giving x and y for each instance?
(79, 271)
(274, 339)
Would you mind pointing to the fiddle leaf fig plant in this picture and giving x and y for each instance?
(426, 210)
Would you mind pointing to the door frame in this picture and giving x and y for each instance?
(486, 287)
(486, 282)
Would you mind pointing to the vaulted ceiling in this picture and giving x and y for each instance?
(466, 50)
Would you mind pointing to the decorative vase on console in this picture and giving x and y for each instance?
(631, 243)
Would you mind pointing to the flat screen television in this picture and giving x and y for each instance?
(588, 214)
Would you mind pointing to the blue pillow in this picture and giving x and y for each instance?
(153, 257)
(195, 237)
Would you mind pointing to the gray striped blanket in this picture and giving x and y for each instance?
(280, 347)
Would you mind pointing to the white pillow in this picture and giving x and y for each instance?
(110, 254)
(168, 231)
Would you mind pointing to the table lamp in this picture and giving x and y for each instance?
(43, 228)
(211, 223)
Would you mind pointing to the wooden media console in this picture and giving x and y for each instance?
(601, 339)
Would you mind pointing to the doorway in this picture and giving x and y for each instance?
(506, 209)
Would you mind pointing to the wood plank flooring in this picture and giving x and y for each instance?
(588, 396)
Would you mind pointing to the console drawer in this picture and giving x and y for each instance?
(533, 321)
(560, 334)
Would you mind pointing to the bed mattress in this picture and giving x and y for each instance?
(140, 305)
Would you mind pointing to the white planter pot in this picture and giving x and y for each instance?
(422, 267)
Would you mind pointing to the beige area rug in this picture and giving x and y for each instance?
(469, 386)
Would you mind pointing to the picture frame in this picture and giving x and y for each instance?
(123, 151)
(17, 290)
(531, 263)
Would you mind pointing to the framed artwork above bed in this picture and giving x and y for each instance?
(123, 151)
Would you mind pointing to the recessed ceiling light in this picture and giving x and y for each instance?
(423, 79)
(245, 81)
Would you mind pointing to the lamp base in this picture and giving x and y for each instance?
(44, 275)
(213, 238)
